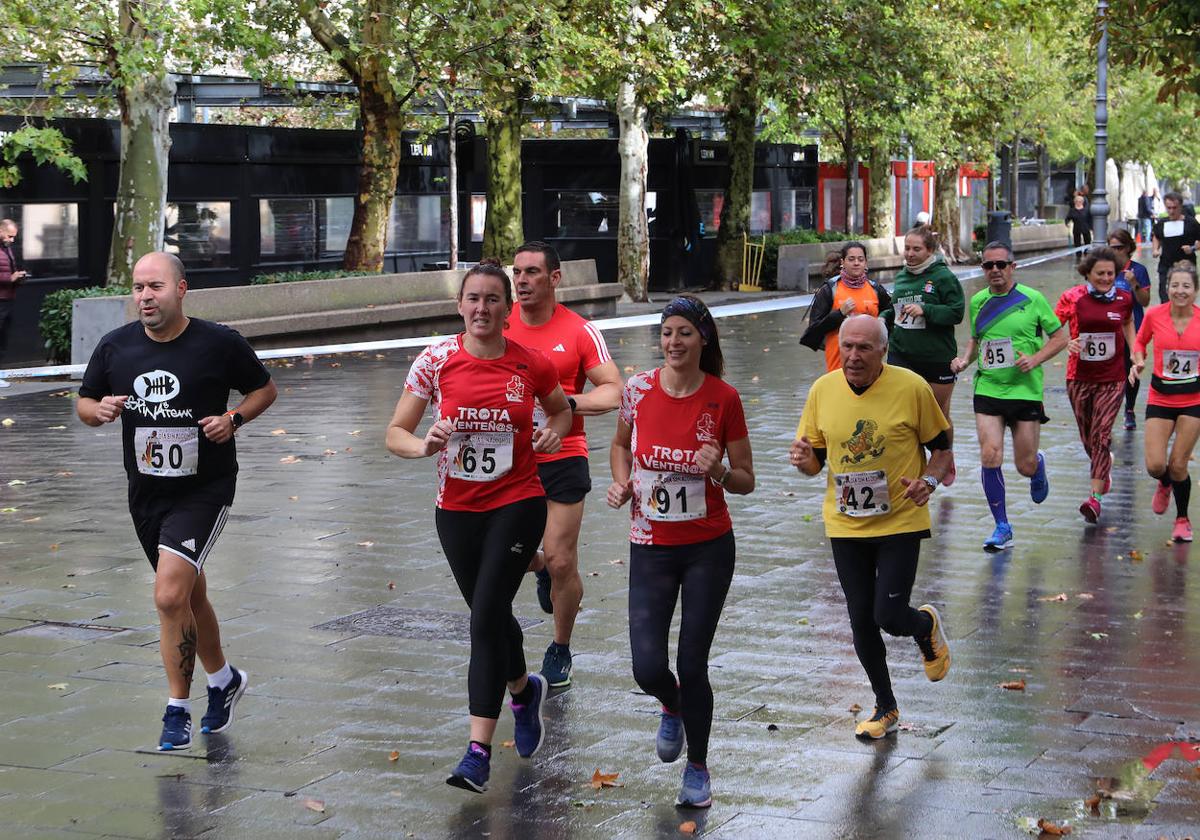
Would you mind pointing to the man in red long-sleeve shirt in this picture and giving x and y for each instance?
(10, 277)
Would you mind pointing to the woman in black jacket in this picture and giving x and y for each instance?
(848, 292)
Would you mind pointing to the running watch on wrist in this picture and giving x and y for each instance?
(571, 402)
(930, 482)
(724, 479)
(237, 419)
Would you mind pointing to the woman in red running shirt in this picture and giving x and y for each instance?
(490, 509)
(1100, 317)
(1173, 404)
(675, 425)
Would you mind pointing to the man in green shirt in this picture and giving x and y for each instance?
(1014, 331)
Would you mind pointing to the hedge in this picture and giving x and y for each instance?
(299, 276)
(55, 322)
(792, 237)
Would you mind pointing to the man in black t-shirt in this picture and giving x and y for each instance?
(1175, 238)
(168, 377)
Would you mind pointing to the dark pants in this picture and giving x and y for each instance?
(6, 308)
(489, 552)
(658, 574)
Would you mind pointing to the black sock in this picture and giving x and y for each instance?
(487, 748)
(525, 695)
(1163, 478)
(1183, 494)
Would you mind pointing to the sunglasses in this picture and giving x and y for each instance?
(1000, 264)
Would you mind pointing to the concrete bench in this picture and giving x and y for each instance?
(342, 310)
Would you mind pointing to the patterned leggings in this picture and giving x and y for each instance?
(1096, 405)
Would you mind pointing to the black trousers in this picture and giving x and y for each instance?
(488, 553)
(6, 309)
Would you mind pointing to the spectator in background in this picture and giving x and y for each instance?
(1079, 220)
(10, 278)
(1146, 214)
(1175, 238)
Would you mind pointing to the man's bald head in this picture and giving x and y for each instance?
(162, 261)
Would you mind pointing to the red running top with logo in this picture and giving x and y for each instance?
(1101, 357)
(674, 503)
(489, 461)
(574, 346)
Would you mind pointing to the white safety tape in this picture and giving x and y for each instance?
(750, 307)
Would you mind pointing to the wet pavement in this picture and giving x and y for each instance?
(334, 596)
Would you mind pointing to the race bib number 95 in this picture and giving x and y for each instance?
(167, 451)
(480, 456)
(996, 353)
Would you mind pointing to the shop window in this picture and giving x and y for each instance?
(48, 242)
(303, 229)
(586, 214)
(420, 223)
(478, 216)
(199, 233)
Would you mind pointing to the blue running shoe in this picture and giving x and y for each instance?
(695, 792)
(528, 730)
(221, 701)
(669, 743)
(473, 771)
(543, 590)
(1000, 539)
(556, 665)
(177, 729)
(1039, 485)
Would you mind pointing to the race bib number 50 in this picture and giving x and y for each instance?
(167, 451)
(862, 493)
(674, 497)
(480, 456)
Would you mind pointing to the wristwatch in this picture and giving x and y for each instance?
(930, 482)
(571, 402)
(724, 479)
(237, 418)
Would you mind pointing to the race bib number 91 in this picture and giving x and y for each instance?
(674, 497)
(996, 353)
(480, 456)
(862, 493)
(167, 451)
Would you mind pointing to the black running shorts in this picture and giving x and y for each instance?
(566, 480)
(1012, 411)
(186, 525)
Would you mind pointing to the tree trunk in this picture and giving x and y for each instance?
(741, 115)
(633, 233)
(145, 109)
(503, 229)
(1043, 180)
(882, 221)
(1015, 187)
(947, 213)
(382, 123)
(452, 177)
(851, 178)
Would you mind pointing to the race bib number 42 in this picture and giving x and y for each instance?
(1097, 347)
(1180, 364)
(480, 456)
(167, 451)
(996, 353)
(862, 493)
(674, 497)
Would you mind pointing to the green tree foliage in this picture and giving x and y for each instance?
(46, 145)
(1163, 35)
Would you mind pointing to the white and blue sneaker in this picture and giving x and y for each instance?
(1000, 539)
(473, 771)
(556, 665)
(670, 740)
(177, 729)
(1039, 483)
(221, 702)
(695, 792)
(528, 728)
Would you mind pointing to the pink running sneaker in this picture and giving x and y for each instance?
(1090, 509)
(1183, 530)
(1162, 498)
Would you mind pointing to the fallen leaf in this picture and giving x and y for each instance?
(1085, 596)
(54, 546)
(1061, 596)
(8, 421)
(603, 780)
(807, 517)
(16, 482)
(9, 510)
(315, 805)
(508, 744)
(1138, 614)
(57, 686)
(803, 621)
(391, 585)
(365, 544)
(617, 562)
(330, 452)
(1053, 829)
(593, 574)
(68, 586)
(279, 431)
(1098, 636)
(294, 498)
(906, 727)
(1092, 803)
(854, 708)
(629, 368)
(355, 433)
(754, 378)
(788, 493)
(64, 474)
(394, 755)
(56, 428)
(688, 827)
(766, 349)
(1018, 670)
(33, 519)
(1013, 685)
(289, 459)
(335, 364)
(1136, 556)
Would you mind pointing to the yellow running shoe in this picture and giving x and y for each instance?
(879, 724)
(934, 647)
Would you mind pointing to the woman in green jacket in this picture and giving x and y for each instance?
(927, 304)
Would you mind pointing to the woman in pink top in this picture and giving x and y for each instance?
(1173, 404)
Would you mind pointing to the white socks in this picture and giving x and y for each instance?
(221, 678)
(184, 704)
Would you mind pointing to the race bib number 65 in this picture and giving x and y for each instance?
(480, 456)
(167, 451)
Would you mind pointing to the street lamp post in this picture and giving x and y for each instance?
(1100, 194)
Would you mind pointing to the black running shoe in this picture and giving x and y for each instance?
(543, 590)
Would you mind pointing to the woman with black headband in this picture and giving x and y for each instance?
(676, 424)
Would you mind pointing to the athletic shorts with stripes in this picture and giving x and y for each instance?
(186, 525)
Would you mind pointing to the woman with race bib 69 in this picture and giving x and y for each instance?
(676, 424)
(490, 508)
(1100, 317)
(1173, 404)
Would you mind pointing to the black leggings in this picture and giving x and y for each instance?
(488, 553)
(657, 573)
(877, 578)
(1131, 389)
